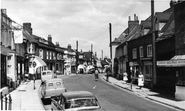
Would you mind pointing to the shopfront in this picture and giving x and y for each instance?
(176, 68)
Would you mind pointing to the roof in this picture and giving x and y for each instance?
(146, 24)
(77, 94)
(46, 41)
(168, 30)
(135, 33)
(162, 17)
(28, 37)
(54, 79)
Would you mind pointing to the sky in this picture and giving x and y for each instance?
(85, 21)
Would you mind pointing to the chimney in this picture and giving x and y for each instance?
(69, 46)
(172, 3)
(57, 44)
(49, 38)
(3, 11)
(27, 27)
(132, 23)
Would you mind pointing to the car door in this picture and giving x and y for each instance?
(50, 89)
(59, 88)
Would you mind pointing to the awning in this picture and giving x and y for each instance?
(171, 63)
(178, 57)
(39, 62)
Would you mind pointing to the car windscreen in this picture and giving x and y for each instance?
(82, 102)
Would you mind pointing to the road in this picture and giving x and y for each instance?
(109, 96)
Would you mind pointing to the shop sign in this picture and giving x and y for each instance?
(171, 63)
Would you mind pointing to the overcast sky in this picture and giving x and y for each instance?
(84, 20)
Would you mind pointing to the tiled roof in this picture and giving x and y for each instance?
(146, 24)
(162, 17)
(135, 33)
(28, 37)
(168, 30)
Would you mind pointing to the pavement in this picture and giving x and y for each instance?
(147, 93)
(25, 98)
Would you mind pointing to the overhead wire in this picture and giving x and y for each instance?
(129, 9)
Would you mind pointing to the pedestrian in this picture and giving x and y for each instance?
(108, 73)
(96, 74)
(140, 80)
(125, 78)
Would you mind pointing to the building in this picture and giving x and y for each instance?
(69, 60)
(8, 56)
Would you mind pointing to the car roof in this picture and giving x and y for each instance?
(77, 94)
(54, 79)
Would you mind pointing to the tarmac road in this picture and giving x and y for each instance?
(111, 97)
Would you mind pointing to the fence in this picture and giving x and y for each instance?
(6, 102)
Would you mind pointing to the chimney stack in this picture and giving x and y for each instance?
(69, 46)
(3, 11)
(57, 44)
(132, 23)
(27, 27)
(49, 38)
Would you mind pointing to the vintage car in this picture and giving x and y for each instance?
(75, 101)
(51, 88)
(47, 74)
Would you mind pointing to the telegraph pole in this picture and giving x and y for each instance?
(153, 44)
(76, 55)
(110, 31)
(102, 54)
(91, 52)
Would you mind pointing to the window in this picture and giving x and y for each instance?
(47, 55)
(58, 83)
(134, 53)
(54, 58)
(41, 53)
(50, 84)
(141, 51)
(50, 55)
(125, 50)
(149, 51)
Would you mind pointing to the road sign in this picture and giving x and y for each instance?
(34, 64)
(131, 64)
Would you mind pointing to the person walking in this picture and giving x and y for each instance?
(125, 78)
(96, 73)
(140, 80)
(108, 71)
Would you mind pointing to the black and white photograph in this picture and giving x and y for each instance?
(92, 55)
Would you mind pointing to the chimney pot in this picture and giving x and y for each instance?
(49, 38)
(129, 18)
(135, 17)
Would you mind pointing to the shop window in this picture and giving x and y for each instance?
(181, 78)
(148, 71)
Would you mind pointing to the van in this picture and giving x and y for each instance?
(52, 87)
(47, 74)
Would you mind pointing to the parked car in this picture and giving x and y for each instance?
(75, 101)
(52, 87)
(47, 74)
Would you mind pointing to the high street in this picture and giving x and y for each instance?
(111, 97)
